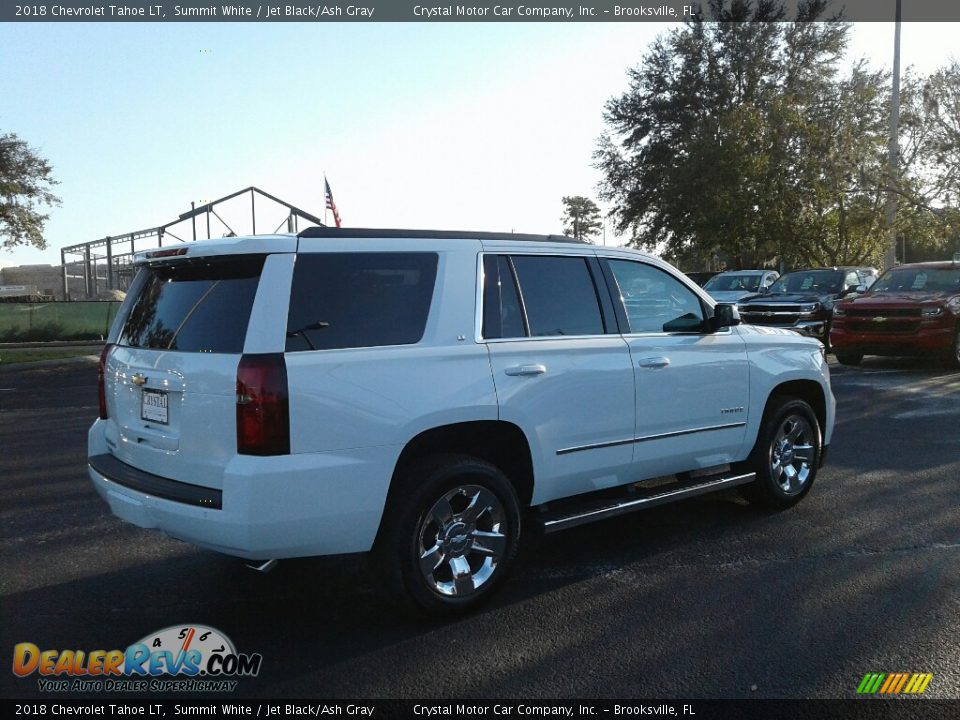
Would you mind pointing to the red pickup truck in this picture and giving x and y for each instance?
(911, 310)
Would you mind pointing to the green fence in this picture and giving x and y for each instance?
(22, 322)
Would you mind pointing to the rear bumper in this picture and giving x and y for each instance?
(107, 466)
(270, 507)
(924, 341)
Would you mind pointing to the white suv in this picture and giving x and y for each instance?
(425, 394)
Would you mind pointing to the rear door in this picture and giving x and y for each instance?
(561, 370)
(171, 377)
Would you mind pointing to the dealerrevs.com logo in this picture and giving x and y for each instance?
(180, 658)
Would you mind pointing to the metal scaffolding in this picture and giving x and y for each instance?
(107, 264)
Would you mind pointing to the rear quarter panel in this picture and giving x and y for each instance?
(385, 396)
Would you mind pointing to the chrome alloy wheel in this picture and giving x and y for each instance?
(792, 454)
(461, 540)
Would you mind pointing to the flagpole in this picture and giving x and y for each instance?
(325, 208)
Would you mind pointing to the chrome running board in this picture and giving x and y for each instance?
(590, 512)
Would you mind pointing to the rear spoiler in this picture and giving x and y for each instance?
(253, 245)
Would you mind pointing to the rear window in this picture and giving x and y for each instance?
(558, 295)
(353, 300)
(199, 305)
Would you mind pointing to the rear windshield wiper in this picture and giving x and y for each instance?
(302, 332)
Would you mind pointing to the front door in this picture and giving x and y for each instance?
(692, 384)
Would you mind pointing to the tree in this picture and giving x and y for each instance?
(25, 188)
(581, 217)
(739, 139)
(927, 181)
(941, 102)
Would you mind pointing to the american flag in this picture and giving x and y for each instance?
(331, 205)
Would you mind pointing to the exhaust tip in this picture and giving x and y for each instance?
(263, 567)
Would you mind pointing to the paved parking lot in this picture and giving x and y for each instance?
(707, 598)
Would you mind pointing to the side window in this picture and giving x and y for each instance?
(558, 295)
(852, 280)
(502, 313)
(353, 300)
(655, 301)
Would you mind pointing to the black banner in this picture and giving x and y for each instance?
(492, 709)
(433, 11)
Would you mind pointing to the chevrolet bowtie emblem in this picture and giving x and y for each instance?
(879, 318)
(139, 379)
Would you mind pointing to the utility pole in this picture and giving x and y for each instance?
(890, 259)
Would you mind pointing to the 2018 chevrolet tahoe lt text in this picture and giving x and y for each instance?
(426, 395)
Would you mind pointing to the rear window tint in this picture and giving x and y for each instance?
(558, 295)
(200, 305)
(352, 300)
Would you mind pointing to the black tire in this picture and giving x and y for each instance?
(430, 509)
(791, 419)
(849, 358)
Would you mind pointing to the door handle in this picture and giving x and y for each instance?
(526, 370)
(653, 362)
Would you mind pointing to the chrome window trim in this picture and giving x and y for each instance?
(478, 314)
(629, 336)
(552, 337)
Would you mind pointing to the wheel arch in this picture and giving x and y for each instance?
(810, 391)
(498, 442)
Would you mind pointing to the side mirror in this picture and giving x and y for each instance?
(724, 315)
(861, 289)
(764, 290)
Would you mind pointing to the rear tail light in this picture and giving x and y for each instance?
(263, 408)
(102, 379)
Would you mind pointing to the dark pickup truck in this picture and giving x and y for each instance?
(803, 300)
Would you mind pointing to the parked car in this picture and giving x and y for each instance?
(869, 276)
(427, 395)
(734, 285)
(803, 300)
(910, 310)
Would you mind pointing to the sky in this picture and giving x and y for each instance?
(481, 126)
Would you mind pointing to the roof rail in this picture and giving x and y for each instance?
(329, 232)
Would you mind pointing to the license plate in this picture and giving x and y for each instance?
(153, 406)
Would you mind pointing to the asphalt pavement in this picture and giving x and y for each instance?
(708, 598)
